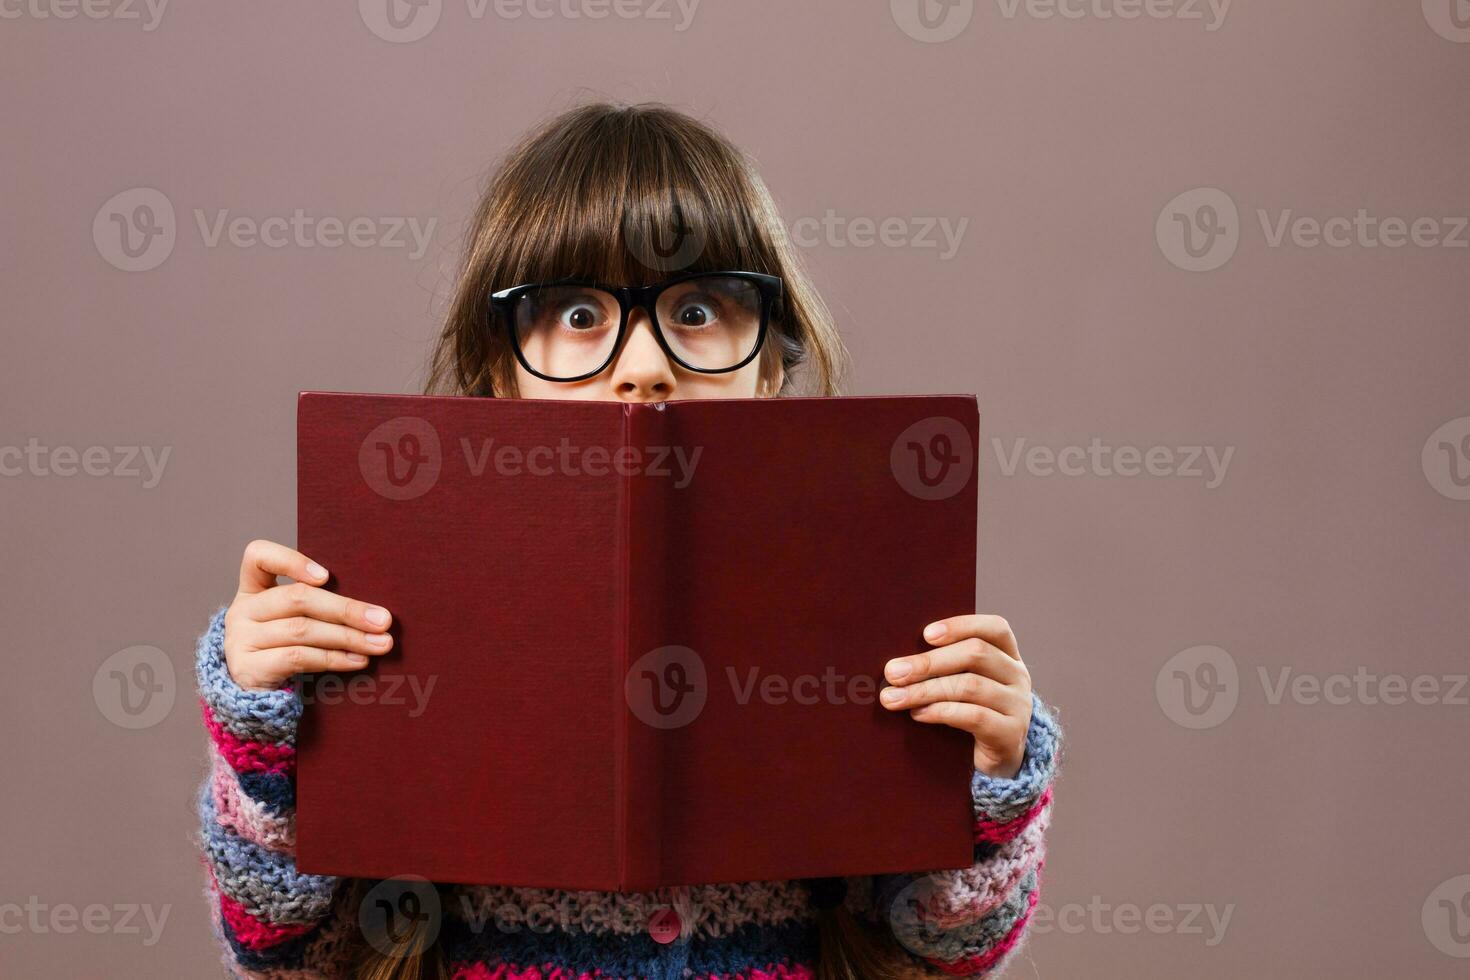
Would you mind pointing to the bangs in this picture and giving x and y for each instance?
(628, 203)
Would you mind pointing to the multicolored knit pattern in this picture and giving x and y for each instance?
(275, 923)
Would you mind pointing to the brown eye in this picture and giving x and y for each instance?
(581, 317)
(692, 316)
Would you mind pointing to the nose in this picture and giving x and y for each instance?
(642, 371)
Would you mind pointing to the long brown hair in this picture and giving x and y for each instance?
(627, 195)
(630, 195)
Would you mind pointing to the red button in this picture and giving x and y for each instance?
(663, 926)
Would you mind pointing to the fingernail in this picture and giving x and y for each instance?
(357, 660)
(934, 631)
(892, 695)
(376, 615)
(899, 669)
(379, 639)
(315, 571)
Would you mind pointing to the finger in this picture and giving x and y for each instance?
(966, 688)
(971, 655)
(973, 718)
(311, 660)
(991, 629)
(307, 632)
(264, 560)
(299, 599)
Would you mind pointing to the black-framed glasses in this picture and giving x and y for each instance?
(571, 329)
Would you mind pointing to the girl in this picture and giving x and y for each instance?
(636, 196)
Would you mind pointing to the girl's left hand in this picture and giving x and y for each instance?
(972, 680)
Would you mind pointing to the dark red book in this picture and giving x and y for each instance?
(636, 645)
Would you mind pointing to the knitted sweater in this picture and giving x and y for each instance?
(273, 921)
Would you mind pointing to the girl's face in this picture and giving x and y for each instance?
(642, 372)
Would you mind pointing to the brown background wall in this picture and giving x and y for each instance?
(1336, 540)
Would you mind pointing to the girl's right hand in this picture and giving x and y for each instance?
(275, 631)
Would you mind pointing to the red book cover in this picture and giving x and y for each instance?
(635, 645)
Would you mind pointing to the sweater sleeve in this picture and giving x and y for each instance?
(967, 923)
(270, 919)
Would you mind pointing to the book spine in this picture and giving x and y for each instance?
(620, 700)
(645, 593)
